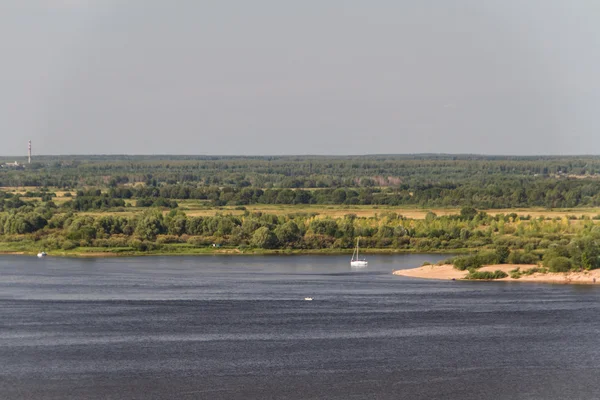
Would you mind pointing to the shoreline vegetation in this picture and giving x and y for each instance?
(513, 272)
(94, 252)
(154, 232)
(560, 244)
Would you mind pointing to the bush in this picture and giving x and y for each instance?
(468, 213)
(555, 251)
(523, 258)
(487, 275)
(199, 241)
(263, 238)
(534, 270)
(559, 264)
(167, 239)
(489, 258)
(140, 245)
(50, 243)
(475, 261)
(159, 202)
(68, 245)
(502, 253)
(467, 262)
(113, 241)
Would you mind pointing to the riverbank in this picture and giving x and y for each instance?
(448, 272)
(174, 250)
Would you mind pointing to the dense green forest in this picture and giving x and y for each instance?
(549, 193)
(421, 180)
(288, 171)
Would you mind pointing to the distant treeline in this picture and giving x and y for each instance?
(497, 193)
(290, 171)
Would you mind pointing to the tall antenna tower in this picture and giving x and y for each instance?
(29, 151)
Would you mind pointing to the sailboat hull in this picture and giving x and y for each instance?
(355, 262)
(358, 263)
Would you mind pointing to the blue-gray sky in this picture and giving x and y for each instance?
(301, 77)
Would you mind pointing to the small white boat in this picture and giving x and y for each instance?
(42, 254)
(355, 261)
(308, 298)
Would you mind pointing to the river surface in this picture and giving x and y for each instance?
(237, 327)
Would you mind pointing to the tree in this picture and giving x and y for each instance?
(86, 233)
(286, 196)
(430, 216)
(589, 260)
(468, 213)
(150, 225)
(502, 253)
(326, 226)
(560, 264)
(263, 238)
(177, 225)
(302, 197)
(338, 196)
(288, 233)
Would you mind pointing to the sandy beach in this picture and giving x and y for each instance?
(448, 272)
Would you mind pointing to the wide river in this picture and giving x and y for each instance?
(238, 327)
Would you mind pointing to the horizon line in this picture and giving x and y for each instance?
(291, 155)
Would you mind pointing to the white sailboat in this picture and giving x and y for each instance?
(357, 262)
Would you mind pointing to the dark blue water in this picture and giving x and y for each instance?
(238, 328)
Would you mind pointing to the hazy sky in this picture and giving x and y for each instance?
(300, 77)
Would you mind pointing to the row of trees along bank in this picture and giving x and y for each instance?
(494, 239)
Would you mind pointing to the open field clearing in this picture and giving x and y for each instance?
(58, 200)
(370, 211)
(194, 208)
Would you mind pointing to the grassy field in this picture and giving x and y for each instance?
(408, 212)
(194, 208)
(204, 208)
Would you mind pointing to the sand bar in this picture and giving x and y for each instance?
(448, 272)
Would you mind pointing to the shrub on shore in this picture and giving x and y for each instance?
(475, 261)
(534, 270)
(498, 274)
(68, 245)
(523, 258)
(515, 273)
(560, 264)
(463, 263)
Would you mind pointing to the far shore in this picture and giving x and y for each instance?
(448, 272)
(211, 251)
